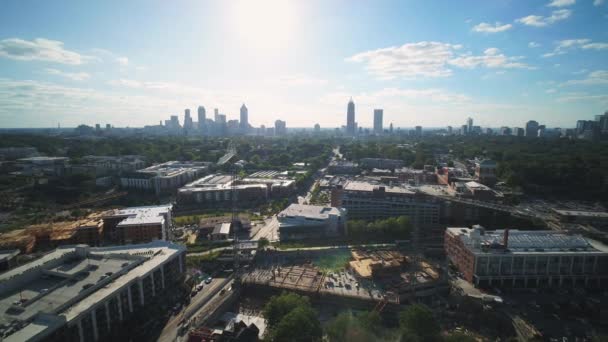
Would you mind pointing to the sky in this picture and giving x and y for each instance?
(431, 63)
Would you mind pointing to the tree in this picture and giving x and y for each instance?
(459, 337)
(418, 320)
(347, 327)
(300, 324)
(263, 242)
(279, 306)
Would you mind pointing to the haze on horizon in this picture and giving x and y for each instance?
(429, 63)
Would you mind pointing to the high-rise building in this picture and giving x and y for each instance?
(280, 128)
(317, 128)
(378, 113)
(202, 118)
(470, 126)
(350, 118)
(244, 119)
(449, 130)
(531, 128)
(216, 113)
(187, 119)
(418, 131)
(390, 129)
(174, 122)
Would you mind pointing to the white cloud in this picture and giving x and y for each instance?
(489, 28)
(75, 76)
(579, 97)
(39, 49)
(551, 91)
(598, 2)
(491, 58)
(410, 60)
(299, 80)
(563, 46)
(596, 46)
(561, 3)
(593, 78)
(533, 45)
(124, 61)
(429, 59)
(541, 21)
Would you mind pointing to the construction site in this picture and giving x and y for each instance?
(372, 275)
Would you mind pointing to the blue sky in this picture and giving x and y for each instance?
(430, 63)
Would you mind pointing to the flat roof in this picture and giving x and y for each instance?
(310, 211)
(141, 215)
(586, 213)
(527, 241)
(72, 280)
(369, 187)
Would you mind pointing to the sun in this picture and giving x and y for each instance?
(264, 24)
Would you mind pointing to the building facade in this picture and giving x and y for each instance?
(299, 222)
(80, 293)
(378, 127)
(165, 177)
(526, 259)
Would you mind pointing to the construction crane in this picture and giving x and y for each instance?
(235, 222)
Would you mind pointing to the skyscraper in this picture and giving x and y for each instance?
(187, 119)
(378, 113)
(317, 128)
(470, 125)
(350, 118)
(216, 112)
(280, 128)
(244, 119)
(531, 128)
(202, 118)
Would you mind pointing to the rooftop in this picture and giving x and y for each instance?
(370, 187)
(141, 215)
(309, 211)
(598, 214)
(526, 241)
(64, 283)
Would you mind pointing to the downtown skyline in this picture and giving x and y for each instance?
(503, 63)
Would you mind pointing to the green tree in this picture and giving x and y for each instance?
(279, 306)
(418, 320)
(300, 324)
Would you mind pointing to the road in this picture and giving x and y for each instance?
(270, 231)
(169, 333)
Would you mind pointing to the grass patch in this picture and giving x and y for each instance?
(333, 262)
(205, 246)
(196, 260)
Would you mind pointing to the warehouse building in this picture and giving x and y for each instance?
(525, 259)
(83, 293)
(299, 222)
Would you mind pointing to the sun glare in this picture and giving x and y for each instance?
(264, 24)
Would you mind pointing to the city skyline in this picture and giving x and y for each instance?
(503, 63)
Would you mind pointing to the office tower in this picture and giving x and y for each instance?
(449, 129)
(280, 128)
(202, 118)
(244, 119)
(97, 128)
(390, 128)
(418, 131)
(464, 130)
(174, 122)
(378, 113)
(541, 131)
(470, 125)
(187, 119)
(531, 128)
(317, 128)
(108, 127)
(350, 118)
(216, 113)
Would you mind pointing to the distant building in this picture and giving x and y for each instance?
(381, 163)
(368, 201)
(43, 166)
(299, 222)
(351, 128)
(504, 130)
(418, 131)
(378, 127)
(485, 172)
(165, 177)
(470, 126)
(596, 218)
(317, 128)
(280, 128)
(531, 128)
(137, 224)
(202, 118)
(518, 132)
(188, 120)
(244, 119)
(527, 259)
(10, 153)
(115, 164)
(79, 293)
(341, 167)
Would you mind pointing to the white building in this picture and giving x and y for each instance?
(300, 221)
(164, 177)
(78, 293)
